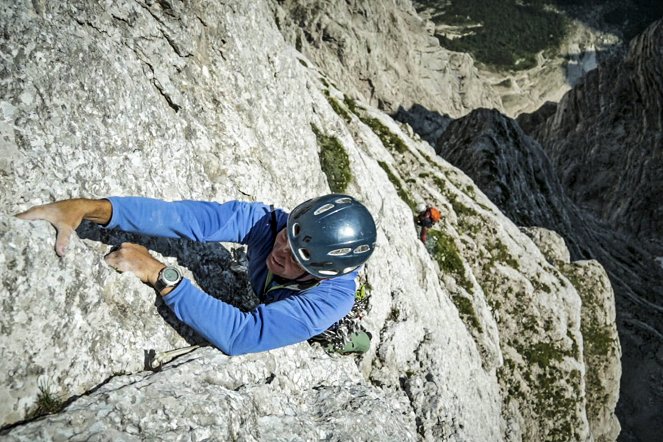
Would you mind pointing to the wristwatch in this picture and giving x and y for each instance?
(169, 276)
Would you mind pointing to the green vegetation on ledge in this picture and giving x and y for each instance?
(405, 196)
(390, 140)
(467, 312)
(338, 108)
(445, 252)
(334, 161)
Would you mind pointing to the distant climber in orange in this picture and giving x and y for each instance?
(426, 219)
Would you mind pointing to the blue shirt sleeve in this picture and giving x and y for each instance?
(194, 220)
(288, 321)
(293, 318)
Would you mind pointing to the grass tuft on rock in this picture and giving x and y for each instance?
(47, 403)
(467, 312)
(339, 109)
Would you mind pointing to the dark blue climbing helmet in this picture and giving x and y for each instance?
(331, 235)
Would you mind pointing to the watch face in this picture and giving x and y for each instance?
(170, 275)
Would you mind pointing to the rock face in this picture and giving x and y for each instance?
(381, 52)
(258, 397)
(587, 40)
(516, 174)
(472, 338)
(510, 168)
(604, 140)
(614, 168)
(601, 351)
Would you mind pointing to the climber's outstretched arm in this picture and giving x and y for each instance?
(195, 220)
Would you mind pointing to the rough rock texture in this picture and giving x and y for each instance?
(588, 39)
(556, 72)
(606, 145)
(598, 329)
(381, 52)
(515, 173)
(492, 273)
(294, 393)
(614, 168)
(208, 101)
(510, 168)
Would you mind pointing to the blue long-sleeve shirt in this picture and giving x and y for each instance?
(284, 317)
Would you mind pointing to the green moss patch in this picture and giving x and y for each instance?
(402, 193)
(390, 140)
(350, 103)
(338, 108)
(334, 161)
(542, 354)
(597, 339)
(445, 253)
(467, 312)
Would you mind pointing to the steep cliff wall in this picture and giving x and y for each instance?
(515, 173)
(477, 338)
(381, 52)
(605, 139)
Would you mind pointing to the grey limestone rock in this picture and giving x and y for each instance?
(291, 394)
(381, 52)
(612, 169)
(207, 100)
(601, 348)
(604, 141)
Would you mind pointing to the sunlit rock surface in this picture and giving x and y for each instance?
(381, 52)
(471, 337)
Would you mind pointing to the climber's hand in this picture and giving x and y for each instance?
(136, 259)
(67, 215)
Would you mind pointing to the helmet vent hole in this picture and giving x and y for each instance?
(304, 254)
(347, 270)
(345, 200)
(322, 209)
(295, 230)
(307, 239)
(328, 272)
(340, 252)
(362, 249)
(319, 265)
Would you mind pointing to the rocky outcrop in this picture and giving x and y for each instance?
(472, 338)
(381, 52)
(601, 349)
(605, 143)
(521, 293)
(586, 41)
(295, 392)
(516, 174)
(511, 169)
(605, 139)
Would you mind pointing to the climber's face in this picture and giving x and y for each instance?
(281, 262)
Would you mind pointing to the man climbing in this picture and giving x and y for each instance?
(426, 219)
(302, 265)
